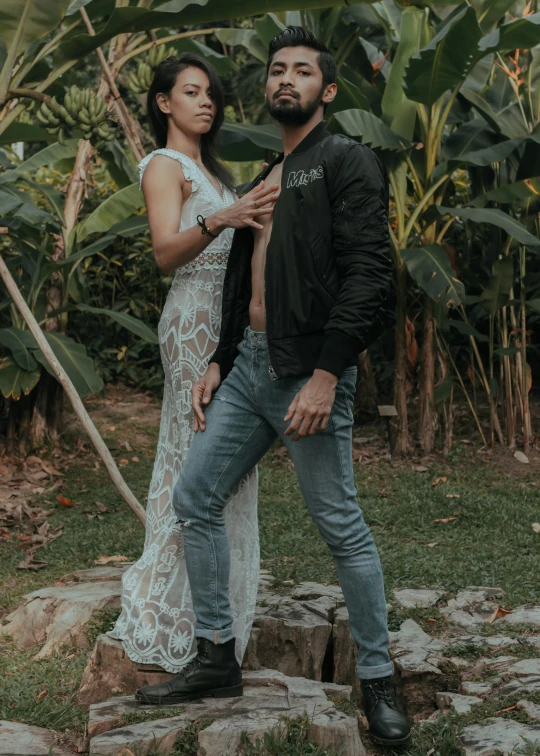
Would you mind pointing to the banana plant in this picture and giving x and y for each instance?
(32, 230)
(434, 119)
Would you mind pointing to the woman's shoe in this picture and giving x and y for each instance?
(213, 672)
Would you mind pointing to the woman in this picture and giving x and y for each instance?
(192, 211)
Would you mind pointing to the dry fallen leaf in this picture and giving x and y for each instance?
(521, 457)
(28, 562)
(431, 545)
(439, 480)
(445, 519)
(135, 459)
(510, 708)
(50, 469)
(41, 695)
(101, 507)
(499, 612)
(453, 496)
(108, 559)
(536, 527)
(420, 468)
(63, 501)
(123, 462)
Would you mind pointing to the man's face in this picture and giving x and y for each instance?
(294, 89)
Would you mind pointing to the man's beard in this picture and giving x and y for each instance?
(291, 112)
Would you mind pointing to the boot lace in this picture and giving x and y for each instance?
(379, 690)
(197, 660)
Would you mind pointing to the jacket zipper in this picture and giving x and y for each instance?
(272, 372)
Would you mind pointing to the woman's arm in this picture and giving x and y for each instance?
(163, 186)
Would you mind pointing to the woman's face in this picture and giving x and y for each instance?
(189, 102)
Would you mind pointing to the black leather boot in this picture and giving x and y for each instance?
(388, 725)
(213, 672)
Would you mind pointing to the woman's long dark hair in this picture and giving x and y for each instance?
(163, 81)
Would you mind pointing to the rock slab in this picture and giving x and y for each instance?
(497, 736)
(17, 739)
(290, 637)
(410, 597)
(53, 616)
(268, 697)
(456, 702)
(110, 671)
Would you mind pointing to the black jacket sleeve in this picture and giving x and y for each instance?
(358, 192)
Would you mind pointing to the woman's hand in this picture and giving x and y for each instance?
(201, 394)
(259, 201)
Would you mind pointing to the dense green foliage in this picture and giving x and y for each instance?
(447, 94)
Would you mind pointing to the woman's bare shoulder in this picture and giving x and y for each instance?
(159, 169)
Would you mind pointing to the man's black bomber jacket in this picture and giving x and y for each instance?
(328, 274)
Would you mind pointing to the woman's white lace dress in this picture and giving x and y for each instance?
(157, 622)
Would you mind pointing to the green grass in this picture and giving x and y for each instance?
(493, 545)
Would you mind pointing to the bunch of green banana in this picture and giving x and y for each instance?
(140, 82)
(83, 110)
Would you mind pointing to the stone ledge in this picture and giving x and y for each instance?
(268, 697)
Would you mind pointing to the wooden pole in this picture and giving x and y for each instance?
(71, 391)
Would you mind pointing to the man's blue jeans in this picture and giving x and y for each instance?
(242, 421)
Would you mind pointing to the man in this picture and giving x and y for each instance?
(306, 290)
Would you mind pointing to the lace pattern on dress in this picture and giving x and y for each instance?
(157, 622)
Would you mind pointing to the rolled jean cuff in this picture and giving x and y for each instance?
(372, 673)
(216, 636)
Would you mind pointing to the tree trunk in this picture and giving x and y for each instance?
(427, 417)
(366, 392)
(401, 447)
(48, 413)
(19, 436)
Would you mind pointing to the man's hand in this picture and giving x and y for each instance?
(201, 394)
(311, 407)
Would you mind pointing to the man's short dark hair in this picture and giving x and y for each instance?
(297, 36)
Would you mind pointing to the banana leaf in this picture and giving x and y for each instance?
(247, 38)
(14, 381)
(19, 343)
(184, 13)
(430, 267)
(365, 126)
(468, 330)
(486, 156)
(73, 358)
(25, 21)
(268, 27)
(520, 32)
(47, 156)
(398, 111)
(519, 192)
(241, 142)
(446, 60)
(497, 218)
(132, 324)
(25, 132)
(497, 292)
(492, 11)
(118, 206)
